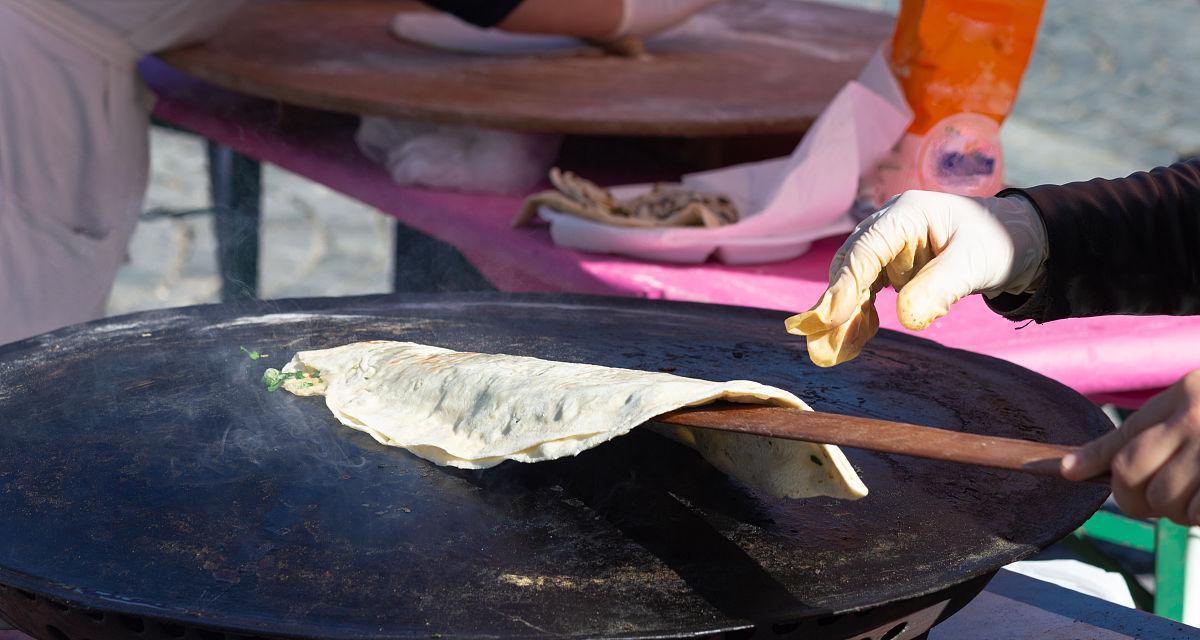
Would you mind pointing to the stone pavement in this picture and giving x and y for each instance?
(314, 241)
(1114, 87)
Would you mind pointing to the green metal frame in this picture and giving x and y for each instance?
(1170, 569)
(1165, 539)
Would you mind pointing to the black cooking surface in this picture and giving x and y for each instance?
(144, 468)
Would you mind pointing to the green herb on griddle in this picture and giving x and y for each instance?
(274, 378)
(254, 355)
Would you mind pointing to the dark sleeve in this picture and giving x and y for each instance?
(484, 13)
(1129, 246)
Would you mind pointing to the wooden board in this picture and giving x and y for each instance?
(755, 67)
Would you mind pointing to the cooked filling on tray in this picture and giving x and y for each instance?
(662, 206)
(476, 410)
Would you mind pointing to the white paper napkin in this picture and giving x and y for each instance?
(785, 203)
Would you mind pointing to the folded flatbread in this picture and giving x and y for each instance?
(476, 410)
(830, 345)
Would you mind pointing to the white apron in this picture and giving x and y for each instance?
(74, 120)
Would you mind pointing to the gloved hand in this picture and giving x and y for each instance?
(933, 248)
(642, 18)
(1154, 457)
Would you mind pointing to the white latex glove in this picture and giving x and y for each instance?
(934, 248)
(641, 18)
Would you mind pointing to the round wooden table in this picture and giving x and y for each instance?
(745, 67)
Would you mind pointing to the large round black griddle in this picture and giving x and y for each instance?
(145, 471)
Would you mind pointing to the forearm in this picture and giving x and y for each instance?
(1125, 246)
(594, 19)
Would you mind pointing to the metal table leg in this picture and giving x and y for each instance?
(1170, 569)
(236, 188)
(1166, 540)
(427, 265)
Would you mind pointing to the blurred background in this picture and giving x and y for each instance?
(1101, 97)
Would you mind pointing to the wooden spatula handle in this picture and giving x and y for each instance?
(876, 435)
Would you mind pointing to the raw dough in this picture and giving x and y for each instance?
(474, 411)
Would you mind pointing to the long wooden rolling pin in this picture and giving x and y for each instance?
(877, 435)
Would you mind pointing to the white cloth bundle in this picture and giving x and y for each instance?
(457, 158)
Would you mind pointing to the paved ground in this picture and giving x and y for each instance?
(315, 242)
(1113, 87)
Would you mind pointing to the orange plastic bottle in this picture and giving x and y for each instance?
(959, 63)
(962, 56)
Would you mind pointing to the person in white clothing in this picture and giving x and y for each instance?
(74, 119)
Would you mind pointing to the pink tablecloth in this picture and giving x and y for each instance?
(1114, 358)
